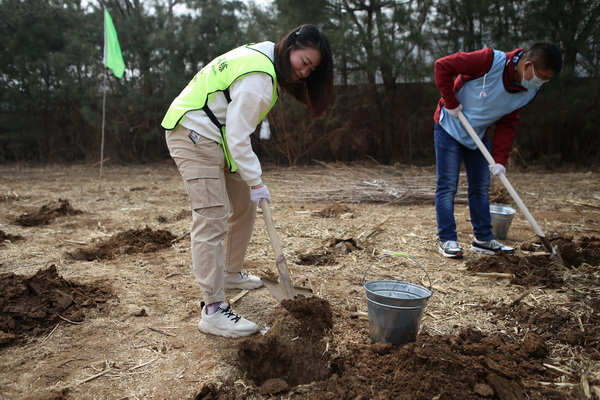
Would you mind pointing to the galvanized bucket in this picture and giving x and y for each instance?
(395, 308)
(502, 216)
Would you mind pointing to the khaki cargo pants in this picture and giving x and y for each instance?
(221, 210)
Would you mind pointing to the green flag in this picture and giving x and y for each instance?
(113, 58)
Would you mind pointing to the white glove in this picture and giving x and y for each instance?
(497, 169)
(454, 111)
(260, 193)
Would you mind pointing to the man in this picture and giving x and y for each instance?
(490, 87)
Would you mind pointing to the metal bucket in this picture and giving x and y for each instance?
(395, 308)
(502, 216)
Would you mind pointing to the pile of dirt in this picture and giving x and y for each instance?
(481, 338)
(573, 324)
(575, 253)
(331, 250)
(317, 258)
(313, 315)
(33, 305)
(8, 237)
(47, 214)
(181, 215)
(527, 271)
(471, 365)
(334, 211)
(297, 358)
(295, 361)
(133, 241)
(540, 270)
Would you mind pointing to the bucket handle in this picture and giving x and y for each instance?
(362, 281)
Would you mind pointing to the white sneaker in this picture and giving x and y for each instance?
(490, 247)
(241, 280)
(225, 322)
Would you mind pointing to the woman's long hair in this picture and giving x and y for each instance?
(316, 90)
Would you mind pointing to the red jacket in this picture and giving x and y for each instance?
(450, 74)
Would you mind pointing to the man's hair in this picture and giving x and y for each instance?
(316, 90)
(545, 56)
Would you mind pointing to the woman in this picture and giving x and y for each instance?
(208, 128)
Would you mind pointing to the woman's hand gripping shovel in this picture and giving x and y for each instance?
(554, 254)
(281, 290)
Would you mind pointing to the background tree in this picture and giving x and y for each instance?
(575, 97)
(51, 74)
(381, 42)
(44, 64)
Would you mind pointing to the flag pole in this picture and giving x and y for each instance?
(102, 141)
(113, 59)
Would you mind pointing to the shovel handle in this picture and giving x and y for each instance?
(501, 176)
(282, 267)
(270, 224)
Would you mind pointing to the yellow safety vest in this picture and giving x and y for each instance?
(218, 76)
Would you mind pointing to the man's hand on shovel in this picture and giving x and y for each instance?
(497, 169)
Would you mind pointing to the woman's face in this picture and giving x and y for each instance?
(304, 61)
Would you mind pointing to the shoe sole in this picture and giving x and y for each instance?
(247, 286)
(483, 251)
(208, 328)
(448, 255)
(488, 252)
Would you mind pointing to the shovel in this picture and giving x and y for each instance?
(281, 290)
(554, 254)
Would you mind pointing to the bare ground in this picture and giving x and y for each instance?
(98, 300)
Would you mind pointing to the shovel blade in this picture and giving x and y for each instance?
(554, 253)
(279, 291)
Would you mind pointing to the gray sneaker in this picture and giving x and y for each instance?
(225, 322)
(450, 249)
(241, 280)
(490, 247)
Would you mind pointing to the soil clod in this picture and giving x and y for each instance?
(33, 305)
(132, 241)
(47, 213)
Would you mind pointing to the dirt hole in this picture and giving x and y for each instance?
(293, 351)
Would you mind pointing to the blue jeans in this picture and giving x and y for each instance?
(448, 155)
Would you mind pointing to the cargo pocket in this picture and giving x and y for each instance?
(205, 188)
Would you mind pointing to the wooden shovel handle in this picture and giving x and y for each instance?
(281, 263)
(270, 224)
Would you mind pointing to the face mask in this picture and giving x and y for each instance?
(532, 83)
